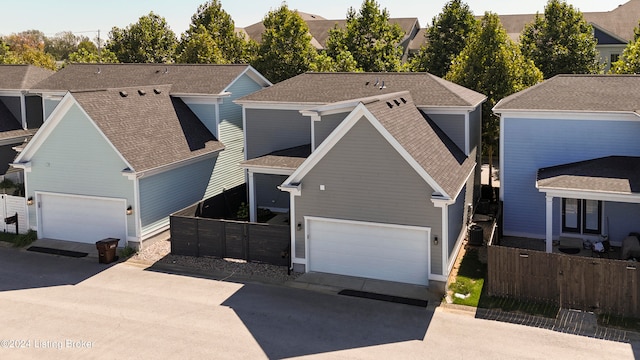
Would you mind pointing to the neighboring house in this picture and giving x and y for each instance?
(20, 111)
(612, 29)
(174, 139)
(570, 158)
(377, 169)
(320, 27)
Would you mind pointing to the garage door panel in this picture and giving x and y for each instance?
(378, 251)
(81, 219)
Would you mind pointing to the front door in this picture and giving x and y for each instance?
(581, 216)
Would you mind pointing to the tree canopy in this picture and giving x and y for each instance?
(561, 41)
(629, 61)
(446, 37)
(370, 39)
(211, 38)
(285, 50)
(150, 40)
(26, 47)
(493, 65)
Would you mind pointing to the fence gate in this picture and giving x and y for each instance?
(10, 206)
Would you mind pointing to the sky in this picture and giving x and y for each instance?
(86, 17)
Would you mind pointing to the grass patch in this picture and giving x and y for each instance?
(470, 279)
(619, 322)
(127, 252)
(19, 240)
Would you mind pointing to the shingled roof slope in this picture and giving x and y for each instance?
(184, 78)
(424, 141)
(324, 88)
(21, 77)
(147, 126)
(583, 93)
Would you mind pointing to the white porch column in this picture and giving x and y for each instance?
(549, 233)
(252, 198)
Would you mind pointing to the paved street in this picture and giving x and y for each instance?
(66, 308)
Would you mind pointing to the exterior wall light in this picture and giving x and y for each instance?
(30, 200)
(129, 210)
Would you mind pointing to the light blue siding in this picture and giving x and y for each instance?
(170, 191)
(531, 144)
(207, 115)
(267, 193)
(324, 127)
(227, 173)
(49, 106)
(271, 130)
(453, 125)
(76, 159)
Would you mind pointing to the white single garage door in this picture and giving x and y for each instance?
(80, 218)
(371, 250)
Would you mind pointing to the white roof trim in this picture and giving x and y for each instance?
(248, 104)
(358, 113)
(54, 119)
(569, 115)
(254, 75)
(267, 170)
(590, 195)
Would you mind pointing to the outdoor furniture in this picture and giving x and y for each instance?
(601, 248)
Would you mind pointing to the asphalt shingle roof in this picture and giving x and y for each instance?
(424, 141)
(324, 88)
(21, 77)
(611, 174)
(147, 126)
(289, 159)
(582, 93)
(184, 78)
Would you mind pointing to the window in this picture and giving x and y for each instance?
(581, 216)
(614, 58)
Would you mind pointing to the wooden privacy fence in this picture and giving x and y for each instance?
(195, 236)
(592, 284)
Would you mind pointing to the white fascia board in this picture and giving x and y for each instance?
(330, 109)
(294, 189)
(447, 110)
(26, 166)
(441, 202)
(254, 75)
(5, 92)
(569, 115)
(591, 195)
(359, 112)
(49, 95)
(267, 170)
(206, 100)
(276, 105)
(174, 165)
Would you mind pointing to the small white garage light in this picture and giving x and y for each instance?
(30, 201)
(435, 240)
(129, 210)
(321, 187)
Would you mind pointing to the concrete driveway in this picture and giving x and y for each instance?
(55, 307)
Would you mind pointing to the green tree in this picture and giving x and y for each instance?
(344, 62)
(88, 55)
(63, 44)
(26, 47)
(285, 50)
(561, 41)
(629, 61)
(372, 41)
(493, 65)
(211, 38)
(150, 40)
(446, 37)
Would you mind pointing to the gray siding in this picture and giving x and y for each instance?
(76, 159)
(367, 180)
(267, 193)
(475, 143)
(13, 104)
(227, 174)
(271, 130)
(453, 126)
(531, 144)
(457, 216)
(170, 191)
(324, 127)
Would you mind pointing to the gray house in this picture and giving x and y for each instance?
(375, 169)
(20, 110)
(131, 143)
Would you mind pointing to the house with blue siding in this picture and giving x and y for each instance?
(20, 110)
(375, 170)
(171, 136)
(569, 159)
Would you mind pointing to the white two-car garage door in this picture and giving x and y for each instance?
(371, 250)
(81, 218)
